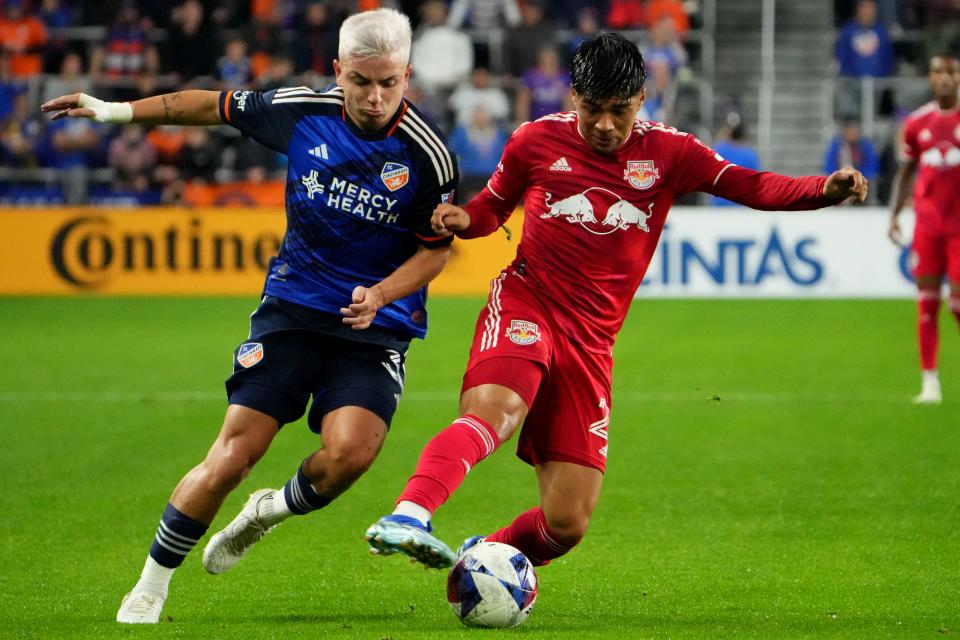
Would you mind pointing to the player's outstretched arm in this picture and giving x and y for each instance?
(846, 183)
(422, 267)
(192, 107)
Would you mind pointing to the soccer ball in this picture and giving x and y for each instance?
(492, 585)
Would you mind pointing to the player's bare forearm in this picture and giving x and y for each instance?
(425, 265)
(419, 270)
(901, 186)
(192, 107)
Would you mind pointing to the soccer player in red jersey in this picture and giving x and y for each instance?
(596, 186)
(932, 152)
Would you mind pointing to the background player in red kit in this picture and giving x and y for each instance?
(596, 185)
(932, 151)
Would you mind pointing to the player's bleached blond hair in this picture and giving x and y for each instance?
(381, 32)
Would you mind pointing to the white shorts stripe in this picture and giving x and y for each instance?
(492, 322)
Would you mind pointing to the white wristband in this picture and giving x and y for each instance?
(110, 112)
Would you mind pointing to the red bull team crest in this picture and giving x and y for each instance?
(395, 175)
(249, 354)
(523, 332)
(641, 173)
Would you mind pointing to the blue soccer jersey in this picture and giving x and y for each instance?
(358, 204)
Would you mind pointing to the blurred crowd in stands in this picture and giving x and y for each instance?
(480, 68)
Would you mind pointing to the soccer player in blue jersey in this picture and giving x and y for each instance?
(341, 302)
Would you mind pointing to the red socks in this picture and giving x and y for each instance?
(928, 306)
(446, 460)
(530, 534)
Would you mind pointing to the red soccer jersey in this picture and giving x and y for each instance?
(593, 221)
(932, 138)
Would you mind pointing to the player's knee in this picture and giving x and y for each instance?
(348, 464)
(568, 527)
(505, 419)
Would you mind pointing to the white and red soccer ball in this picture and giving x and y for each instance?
(492, 585)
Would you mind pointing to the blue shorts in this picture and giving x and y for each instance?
(286, 361)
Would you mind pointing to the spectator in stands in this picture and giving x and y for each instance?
(233, 67)
(672, 9)
(863, 47)
(626, 14)
(74, 146)
(56, 14)
(71, 78)
(478, 146)
(125, 54)
(587, 26)
(22, 37)
(10, 86)
(132, 158)
(665, 46)
(479, 93)
(20, 133)
(484, 14)
(316, 44)
(263, 42)
(442, 57)
(661, 92)
(278, 74)
(544, 89)
(849, 148)
(198, 158)
(522, 43)
(733, 147)
(192, 42)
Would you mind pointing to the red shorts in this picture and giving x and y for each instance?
(936, 254)
(568, 394)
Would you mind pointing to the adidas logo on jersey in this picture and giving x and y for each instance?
(319, 152)
(561, 165)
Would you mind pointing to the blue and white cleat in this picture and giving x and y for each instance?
(402, 534)
(468, 544)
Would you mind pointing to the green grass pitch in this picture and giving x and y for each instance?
(768, 479)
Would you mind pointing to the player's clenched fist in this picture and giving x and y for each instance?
(448, 219)
(846, 183)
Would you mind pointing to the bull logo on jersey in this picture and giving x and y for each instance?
(395, 175)
(523, 332)
(579, 209)
(641, 174)
(249, 354)
(945, 159)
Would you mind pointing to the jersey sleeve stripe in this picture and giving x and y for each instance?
(306, 98)
(445, 155)
(720, 174)
(431, 143)
(430, 153)
(494, 192)
(284, 90)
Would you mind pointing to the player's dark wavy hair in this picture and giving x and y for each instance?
(607, 66)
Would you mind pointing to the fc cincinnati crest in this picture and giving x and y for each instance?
(641, 173)
(522, 332)
(395, 175)
(249, 354)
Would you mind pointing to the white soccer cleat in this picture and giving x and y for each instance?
(227, 546)
(141, 607)
(929, 395)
